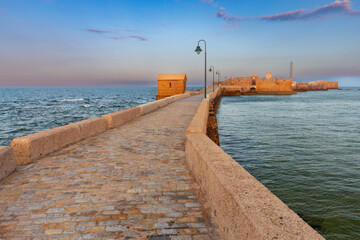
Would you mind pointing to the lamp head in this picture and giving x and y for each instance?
(198, 50)
(210, 70)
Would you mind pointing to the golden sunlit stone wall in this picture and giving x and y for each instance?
(171, 84)
(318, 85)
(265, 85)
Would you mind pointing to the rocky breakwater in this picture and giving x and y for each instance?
(319, 85)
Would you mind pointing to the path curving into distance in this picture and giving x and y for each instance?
(127, 183)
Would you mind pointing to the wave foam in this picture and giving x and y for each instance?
(71, 100)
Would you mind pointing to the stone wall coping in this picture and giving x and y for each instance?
(199, 122)
(7, 161)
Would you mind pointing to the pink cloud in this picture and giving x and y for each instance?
(126, 37)
(339, 7)
(97, 31)
(138, 37)
(229, 17)
(287, 16)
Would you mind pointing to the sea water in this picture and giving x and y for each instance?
(305, 148)
(28, 110)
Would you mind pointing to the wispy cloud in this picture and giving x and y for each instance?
(339, 7)
(2, 9)
(97, 30)
(137, 37)
(127, 37)
(117, 33)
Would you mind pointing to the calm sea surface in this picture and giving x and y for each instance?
(305, 148)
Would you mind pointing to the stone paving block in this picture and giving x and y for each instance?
(116, 228)
(181, 237)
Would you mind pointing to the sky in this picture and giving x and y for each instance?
(130, 42)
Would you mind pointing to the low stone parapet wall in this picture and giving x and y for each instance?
(117, 119)
(28, 149)
(199, 122)
(31, 147)
(242, 207)
(7, 161)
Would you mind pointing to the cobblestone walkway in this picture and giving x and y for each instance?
(127, 183)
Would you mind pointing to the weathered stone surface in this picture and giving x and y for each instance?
(7, 162)
(242, 206)
(29, 148)
(199, 123)
(128, 182)
(170, 85)
(117, 119)
(148, 107)
(163, 102)
(91, 127)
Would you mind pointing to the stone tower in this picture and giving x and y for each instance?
(268, 75)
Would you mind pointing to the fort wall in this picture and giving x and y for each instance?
(274, 85)
(331, 85)
(269, 85)
(256, 85)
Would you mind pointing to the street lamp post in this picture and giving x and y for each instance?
(212, 70)
(198, 51)
(219, 76)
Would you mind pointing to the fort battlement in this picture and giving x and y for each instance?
(269, 85)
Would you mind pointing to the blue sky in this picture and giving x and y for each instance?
(128, 43)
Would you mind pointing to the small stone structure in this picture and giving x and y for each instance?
(171, 84)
